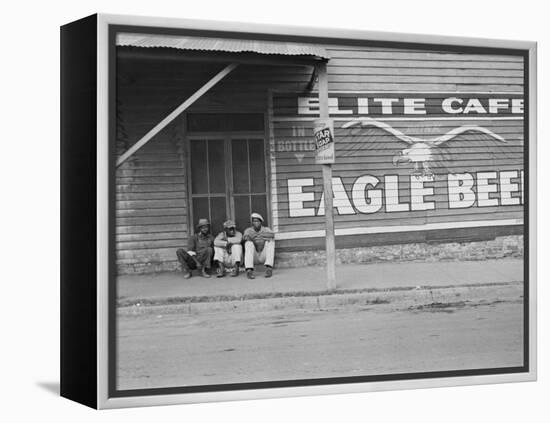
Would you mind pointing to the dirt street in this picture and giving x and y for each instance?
(163, 348)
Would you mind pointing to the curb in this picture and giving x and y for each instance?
(411, 298)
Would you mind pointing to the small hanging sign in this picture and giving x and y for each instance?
(324, 141)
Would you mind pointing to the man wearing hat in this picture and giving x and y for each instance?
(228, 250)
(259, 247)
(199, 251)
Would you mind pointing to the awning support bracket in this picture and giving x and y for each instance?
(313, 79)
(175, 113)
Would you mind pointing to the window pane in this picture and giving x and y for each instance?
(218, 213)
(240, 166)
(199, 180)
(242, 212)
(216, 166)
(200, 210)
(259, 205)
(257, 165)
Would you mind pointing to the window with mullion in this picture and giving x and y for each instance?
(208, 182)
(249, 187)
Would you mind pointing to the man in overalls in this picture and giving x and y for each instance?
(199, 251)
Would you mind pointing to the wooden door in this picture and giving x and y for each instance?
(228, 179)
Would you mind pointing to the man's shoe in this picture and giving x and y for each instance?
(250, 274)
(235, 271)
(204, 273)
(268, 272)
(186, 275)
(220, 271)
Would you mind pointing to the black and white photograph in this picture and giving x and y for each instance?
(304, 211)
(275, 211)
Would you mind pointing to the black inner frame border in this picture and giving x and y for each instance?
(113, 392)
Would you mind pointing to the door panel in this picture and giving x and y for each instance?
(218, 214)
(208, 182)
(199, 171)
(259, 205)
(242, 212)
(249, 182)
(257, 165)
(216, 166)
(228, 179)
(201, 208)
(239, 154)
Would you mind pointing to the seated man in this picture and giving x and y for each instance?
(259, 247)
(199, 251)
(228, 250)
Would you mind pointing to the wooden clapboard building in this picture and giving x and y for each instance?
(429, 148)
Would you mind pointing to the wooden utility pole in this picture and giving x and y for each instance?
(327, 183)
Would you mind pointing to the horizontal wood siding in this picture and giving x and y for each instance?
(151, 187)
(151, 199)
(387, 73)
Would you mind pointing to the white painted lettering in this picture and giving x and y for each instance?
(507, 187)
(460, 190)
(387, 108)
(474, 105)
(448, 104)
(414, 106)
(418, 192)
(297, 197)
(366, 200)
(495, 104)
(308, 106)
(363, 106)
(334, 109)
(391, 184)
(517, 105)
(484, 188)
(340, 199)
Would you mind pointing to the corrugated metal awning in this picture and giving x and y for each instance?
(229, 45)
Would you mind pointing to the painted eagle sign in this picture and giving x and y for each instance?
(421, 151)
(420, 156)
(361, 182)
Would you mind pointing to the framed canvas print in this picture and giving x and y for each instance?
(258, 211)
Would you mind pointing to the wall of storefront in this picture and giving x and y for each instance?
(152, 201)
(359, 74)
(152, 194)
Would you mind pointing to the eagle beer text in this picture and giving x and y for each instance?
(371, 194)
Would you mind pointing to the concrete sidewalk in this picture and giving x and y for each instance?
(133, 289)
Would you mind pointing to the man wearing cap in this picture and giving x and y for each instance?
(259, 247)
(228, 250)
(199, 251)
